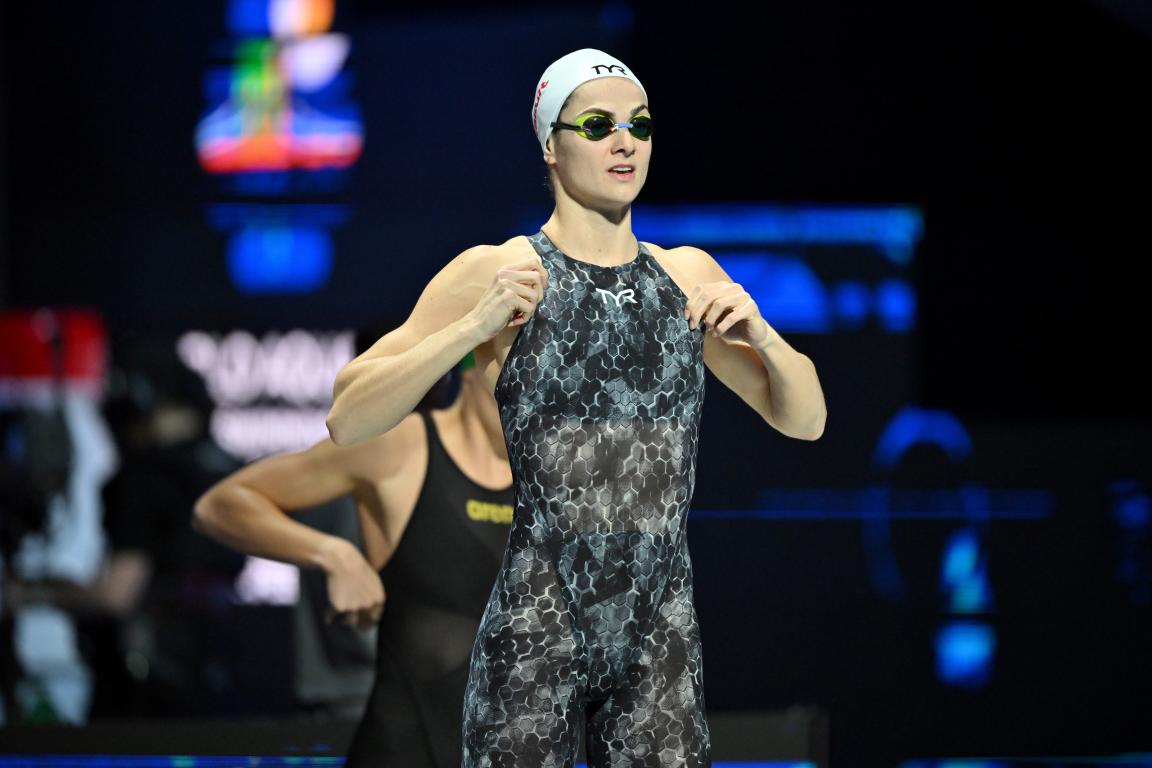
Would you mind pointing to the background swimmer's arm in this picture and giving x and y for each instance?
(248, 512)
(480, 293)
(778, 382)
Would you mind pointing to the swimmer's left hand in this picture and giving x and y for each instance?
(728, 311)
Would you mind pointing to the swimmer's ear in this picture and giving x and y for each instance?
(549, 157)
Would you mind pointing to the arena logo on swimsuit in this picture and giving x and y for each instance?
(487, 512)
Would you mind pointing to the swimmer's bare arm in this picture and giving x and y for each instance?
(249, 511)
(749, 356)
(475, 296)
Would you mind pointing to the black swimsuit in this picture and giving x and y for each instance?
(590, 623)
(436, 584)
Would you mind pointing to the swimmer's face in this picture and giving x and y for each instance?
(582, 166)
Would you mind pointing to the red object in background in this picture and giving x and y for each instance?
(26, 349)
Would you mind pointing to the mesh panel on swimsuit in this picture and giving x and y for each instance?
(590, 624)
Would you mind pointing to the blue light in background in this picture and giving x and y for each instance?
(961, 558)
(783, 287)
(283, 258)
(1132, 513)
(914, 425)
(1133, 509)
(852, 301)
(248, 18)
(896, 305)
(894, 230)
(962, 573)
(787, 290)
(283, 249)
(964, 652)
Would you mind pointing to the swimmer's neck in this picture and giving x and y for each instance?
(600, 237)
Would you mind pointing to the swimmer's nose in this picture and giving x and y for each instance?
(623, 139)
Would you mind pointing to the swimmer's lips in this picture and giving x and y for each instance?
(623, 176)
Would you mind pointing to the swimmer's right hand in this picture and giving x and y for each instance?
(355, 592)
(512, 297)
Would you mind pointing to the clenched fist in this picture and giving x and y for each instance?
(355, 593)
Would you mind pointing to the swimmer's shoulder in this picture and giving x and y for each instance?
(681, 257)
(687, 265)
(518, 248)
(482, 261)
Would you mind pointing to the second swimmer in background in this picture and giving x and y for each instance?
(435, 499)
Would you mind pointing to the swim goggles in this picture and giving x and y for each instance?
(595, 127)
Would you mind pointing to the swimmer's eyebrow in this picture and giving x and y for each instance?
(610, 113)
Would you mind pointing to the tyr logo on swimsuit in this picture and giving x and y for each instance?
(618, 298)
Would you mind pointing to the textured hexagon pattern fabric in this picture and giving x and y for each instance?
(590, 624)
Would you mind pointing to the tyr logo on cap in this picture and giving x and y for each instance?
(609, 68)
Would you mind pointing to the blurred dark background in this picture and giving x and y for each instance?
(1018, 133)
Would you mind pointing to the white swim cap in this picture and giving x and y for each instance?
(565, 75)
